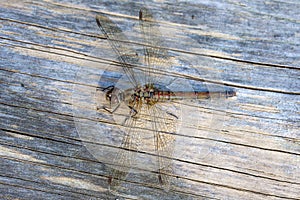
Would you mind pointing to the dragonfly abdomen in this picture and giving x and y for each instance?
(162, 96)
(153, 95)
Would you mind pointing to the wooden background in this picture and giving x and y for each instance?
(254, 46)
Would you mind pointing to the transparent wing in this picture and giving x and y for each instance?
(155, 57)
(164, 129)
(148, 144)
(124, 159)
(116, 38)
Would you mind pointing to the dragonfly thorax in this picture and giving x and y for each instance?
(150, 94)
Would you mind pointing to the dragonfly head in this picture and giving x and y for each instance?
(114, 96)
(108, 96)
(108, 92)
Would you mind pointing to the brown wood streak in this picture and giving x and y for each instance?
(42, 154)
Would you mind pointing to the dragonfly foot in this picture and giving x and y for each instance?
(169, 113)
(109, 88)
(105, 108)
(133, 111)
(98, 89)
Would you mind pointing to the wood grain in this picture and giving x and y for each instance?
(51, 49)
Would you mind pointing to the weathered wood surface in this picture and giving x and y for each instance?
(48, 49)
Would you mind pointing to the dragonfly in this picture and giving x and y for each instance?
(141, 101)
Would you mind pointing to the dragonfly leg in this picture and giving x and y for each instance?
(133, 111)
(173, 115)
(108, 91)
(108, 95)
(108, 87)
(108, 110)
(111, 87)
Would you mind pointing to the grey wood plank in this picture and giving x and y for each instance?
(222, 149)
(51, 50)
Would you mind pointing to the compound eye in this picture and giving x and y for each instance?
(108, 97)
